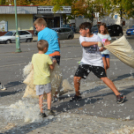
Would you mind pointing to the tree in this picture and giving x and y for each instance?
(58, 6)
(124, 8)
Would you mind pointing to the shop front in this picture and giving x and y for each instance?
(52, 19)
(28, 14)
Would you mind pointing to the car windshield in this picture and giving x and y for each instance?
(56, 30)
(9, 34)
(67, 25)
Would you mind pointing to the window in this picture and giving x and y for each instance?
(67, 30)
(61, 30)
(9, 34)
(23, 33)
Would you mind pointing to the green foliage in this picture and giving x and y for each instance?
(123, 7)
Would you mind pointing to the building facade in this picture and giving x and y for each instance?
(28, 14)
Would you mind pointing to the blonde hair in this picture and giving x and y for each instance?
(106, 30)
(42, 44)
(40, 21)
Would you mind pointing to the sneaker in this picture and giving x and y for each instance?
(2, 87)
(76, 98)
(50, 112)
(120, 98)
(43, 115)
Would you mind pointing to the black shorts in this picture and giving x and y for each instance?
(57, 58)
(84, 70)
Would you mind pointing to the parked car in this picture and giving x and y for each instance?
(114, 30)
(64, 33)
(9, 37)
(71, 26)
(130, 31)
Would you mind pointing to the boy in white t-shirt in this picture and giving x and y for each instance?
(92, 61)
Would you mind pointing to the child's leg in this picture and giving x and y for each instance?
(77, 85)
(104, 63)
(107, 63)
(41, 103)
(49, 98)
(110, 84)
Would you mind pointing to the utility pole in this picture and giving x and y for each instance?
(18, 49)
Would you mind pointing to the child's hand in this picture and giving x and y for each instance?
(54, 61)
(107, 42)
(102, 49)
(99, 44)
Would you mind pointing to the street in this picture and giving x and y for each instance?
(98, 100)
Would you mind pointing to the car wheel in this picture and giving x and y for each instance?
(8, 41)
(28, 40)
(70, 37)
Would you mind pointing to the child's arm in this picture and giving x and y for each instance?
(107, 42)
(102, 49)
(32, 66)
(51, 67)
(88, 44)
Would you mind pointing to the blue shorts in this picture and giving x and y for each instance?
(106, 55)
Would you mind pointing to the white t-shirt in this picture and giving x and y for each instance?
(106, 36)
(91, 55)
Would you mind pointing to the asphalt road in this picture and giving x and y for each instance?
(12, 64)
(102, 104)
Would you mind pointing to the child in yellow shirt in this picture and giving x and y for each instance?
(42, 64)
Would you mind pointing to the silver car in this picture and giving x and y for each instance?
(9, 37)
(64, 33)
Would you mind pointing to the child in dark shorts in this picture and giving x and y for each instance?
(92, 62)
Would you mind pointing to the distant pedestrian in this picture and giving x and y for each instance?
(104, 35)
(42, 65)
(92, 62)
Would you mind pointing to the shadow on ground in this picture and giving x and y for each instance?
(124, 76)
(12, 84)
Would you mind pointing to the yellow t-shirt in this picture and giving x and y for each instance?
(41, 64)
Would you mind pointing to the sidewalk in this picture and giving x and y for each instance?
(76, 36)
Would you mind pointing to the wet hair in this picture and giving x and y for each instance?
(106, 30)
(42, 44)
(40, 21)
(86, 25)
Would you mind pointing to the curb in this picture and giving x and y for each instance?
(35, 38)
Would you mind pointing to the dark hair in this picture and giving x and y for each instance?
(86, 25)
(106, 30)
(42, 44)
